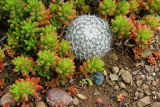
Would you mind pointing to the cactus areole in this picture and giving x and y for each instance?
(89, 36)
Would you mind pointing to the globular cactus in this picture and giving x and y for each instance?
(25, 65)
(153, 21)
(22, 89)
(2, 56)
(38, 12)
(89, 36)
(122, 26)
(92, 66)
(143, 35)
(152, 5)
(46, 63)
(107, 8)
(65, 68)
(122, 7)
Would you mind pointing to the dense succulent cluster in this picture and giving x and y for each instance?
(38, 12)
(152, 20)
(25, 65)
(152, 5)
(92, 66)
(22, 89)
(107, 8)
(89, 36)
(122, 26)
(46, 63)
(143, 35)
(65, 68)
(134, 5)
(123, 7)
(80, 5)
(2, 56)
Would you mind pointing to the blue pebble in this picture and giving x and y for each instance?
(98, 78)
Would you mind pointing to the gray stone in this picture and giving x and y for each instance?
(7, 98)
(148, 68)
(75, 101)
(115, 70)
(146, 53)
(126, 76)
(156, 104)
(144, 101)
(114, 56)
(122, 85)
(113, 77)
(139, 82)
(96, 93)
(40, 104)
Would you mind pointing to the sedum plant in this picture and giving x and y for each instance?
(122, 26)
(22, 89)
(38, 12)
(64, 49)
(152, 5)
(143, 35)
(2, 56)
(152, 20)
(92, 65)
(133, 5)
(107, 8)
(46, 63)
(65, 68)
(25, 65)
(122, 7)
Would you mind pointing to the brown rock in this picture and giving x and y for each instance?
(40, 104)
(7, 98)
(156, 104)
(144, 101)
(146, 53)
(58, 97)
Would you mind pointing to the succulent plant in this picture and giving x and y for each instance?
(80, 5)
(143, 35)
(98, 78)
(134, 5)
(49, 39)
(21, 89)
(64, 49)
(89, 36)
(25, 65)
(38, 12)
(153, 21)
(122, 7)
(46, 63)
(2, 56)
(107, 8)
(152, 5)
(122, 26)
(65, 68)
(92, 66)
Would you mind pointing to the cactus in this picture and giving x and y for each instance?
(46, 63)
(107, 8)
(152, 21)
(65, 68)
(122, 26)
(152, 5)
(123, 7)
(24, 88)
(89, 36)
(25, 65)
(92, 66)
(143, 35)
(38, 12)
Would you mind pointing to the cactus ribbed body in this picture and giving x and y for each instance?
(89, 36)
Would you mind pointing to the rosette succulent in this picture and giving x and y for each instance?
(65, 68)
(25, 65)
(92, 66)
(152, 5)
(22, 89)
(89, 36)
(122, 7)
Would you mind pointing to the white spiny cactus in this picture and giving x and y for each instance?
(89, 36)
